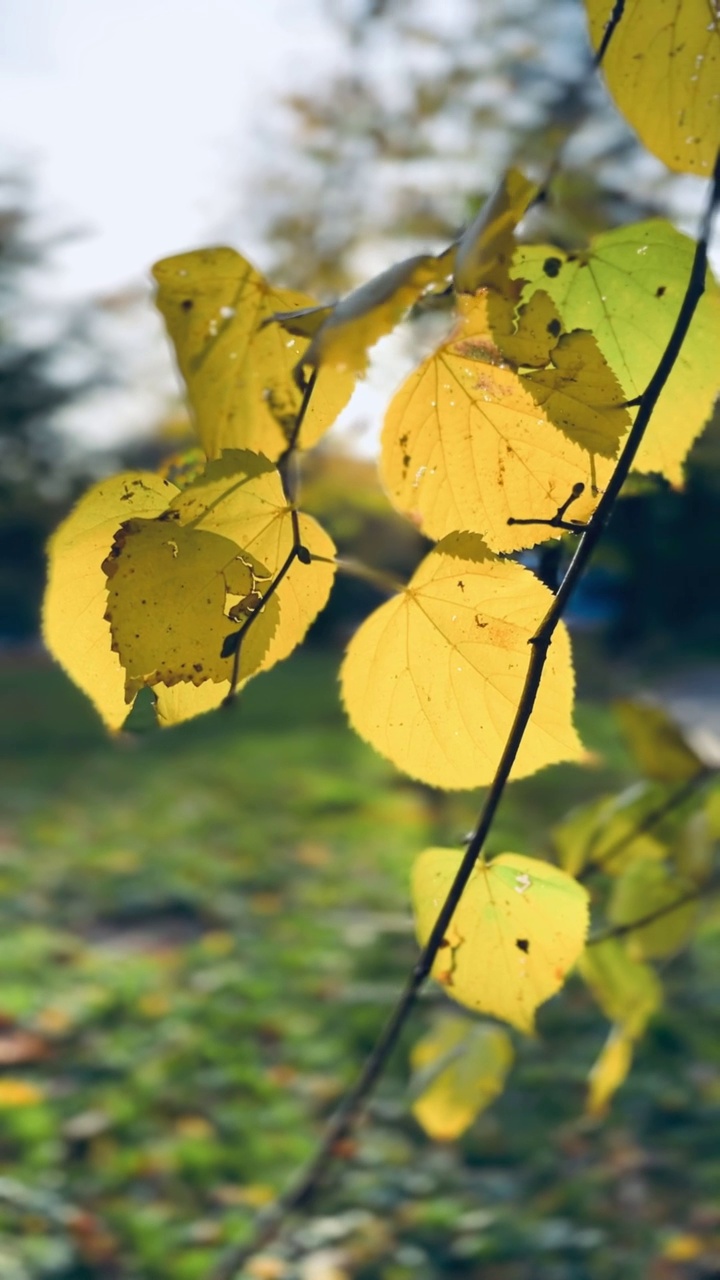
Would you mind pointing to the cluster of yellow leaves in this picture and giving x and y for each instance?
(147, 582)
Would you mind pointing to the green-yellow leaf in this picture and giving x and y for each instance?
(643, 889)
(580, 394)
(662, 67)
(609, 1071)
(238, 369)
(627, 289)
(604, 833)
(627, 990)
(240, 497)
(345, 333)
(75, 629)
(171, 589)
(466, 446)
(658, 744)
(459, 1068)
(432, 679)
(518, 929)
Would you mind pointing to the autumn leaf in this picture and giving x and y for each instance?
(659, 746)
(171, 594)
(343, 335)
(240, 496)
(518, 929)
(627, 288)
(608, 833)
(609, 1071)
(629, 993)
(75, 628)
(486, 247)
(466, 445)
(643, 889)
(662, 67)
(459, 1068)
(238, 369)
(432, 679)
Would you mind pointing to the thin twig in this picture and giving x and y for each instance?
(609, 32)
(341, 1123)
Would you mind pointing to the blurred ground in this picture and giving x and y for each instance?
(201, 933)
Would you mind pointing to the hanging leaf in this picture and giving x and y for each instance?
(609, 1071)
(173, 596)
(459, 1068)
(343, 335)
(629, 993)
(658, 744)
(580, 394)
(432, 679)
(486, 247)
(516, 933)
(643, 889)
(627, 289)
(179, 702)
(605, 833)
(240, 497)
(238, 369)
(627, 990)
(75, 629)
(465, 444)
(662, 67)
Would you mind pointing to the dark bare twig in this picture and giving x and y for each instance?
(609, 32)
(300, 1192)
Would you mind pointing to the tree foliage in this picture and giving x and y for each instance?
(560, 371)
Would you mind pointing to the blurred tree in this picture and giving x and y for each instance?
(46, 363)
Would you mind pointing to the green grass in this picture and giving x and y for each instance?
(201, 933)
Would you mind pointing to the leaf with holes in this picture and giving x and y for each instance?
(627, 288)
(172, 594)
(466, 445)
(517, 931)
(75, 628)
(237, 367)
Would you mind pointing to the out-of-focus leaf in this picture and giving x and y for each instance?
(609, 1071)
(658, 744)
(459, 1068)
(647, 887)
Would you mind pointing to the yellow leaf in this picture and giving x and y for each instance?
(345, 333)
(627, 990)
(170, 595)
(485, 249)
(662, 67)
(432, 679)
(581, 395)
(459, 1068)
(240, 497)
(179, 702)
(18, 1093)
(75, 629)
(683, 1247)
(657, 742)
(238, 369)
(647, 887)
(610, 1070)
(466, 446)
(518, 930)
(627, 288)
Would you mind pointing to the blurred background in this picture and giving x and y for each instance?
(173, 1027)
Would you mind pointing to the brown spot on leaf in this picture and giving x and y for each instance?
(551, 267)
(523, 944)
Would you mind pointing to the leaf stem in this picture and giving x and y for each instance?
(300, 1192)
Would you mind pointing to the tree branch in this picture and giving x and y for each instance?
(302, 1189)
